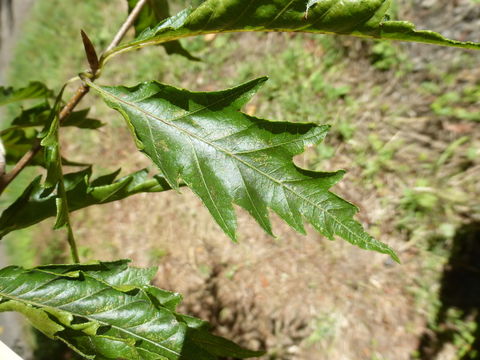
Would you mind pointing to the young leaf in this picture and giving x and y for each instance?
(227, 157)
(152, 13)
(109, 311)
(364, 18)
(34, 90)
(36, 204)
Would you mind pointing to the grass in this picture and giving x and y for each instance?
(48, 52)
(399, 128)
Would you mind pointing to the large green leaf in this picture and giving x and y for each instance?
(34, 90)
(227, 157)
(365, 18)
(37, 203)
(152, 13)
(110, 311)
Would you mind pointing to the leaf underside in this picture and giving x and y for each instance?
(364, 18)
(110, 311)
(227, 157)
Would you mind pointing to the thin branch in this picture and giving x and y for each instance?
(7, 178)
(126, 25)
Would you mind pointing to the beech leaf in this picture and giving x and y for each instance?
(227, 157)
(37, 204)
(110, 311)
(364, 18)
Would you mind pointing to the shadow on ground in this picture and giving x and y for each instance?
(460, 290)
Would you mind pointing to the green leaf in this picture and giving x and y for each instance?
(39, 116)
(34, 90)
(152, 13)
(227, 157)
(109, 311)
(51, 144)
(18, 141)
(81, 120)
(37, 203)
(55, 180)
(365, 18)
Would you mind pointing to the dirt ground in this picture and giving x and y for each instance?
(304, 297)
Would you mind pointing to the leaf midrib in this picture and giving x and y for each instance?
(225, 151)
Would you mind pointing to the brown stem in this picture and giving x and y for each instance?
(7, 178)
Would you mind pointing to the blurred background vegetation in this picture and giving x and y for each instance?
(405, 125)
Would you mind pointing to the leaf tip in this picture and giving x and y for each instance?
(262, 80)
(231, 233)
(339, 174)
(394, 256)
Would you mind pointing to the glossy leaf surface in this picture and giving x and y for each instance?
(110, 311)
(227, 157)
(37, 204)
(364, 18)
